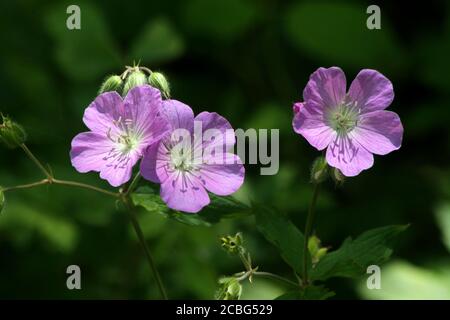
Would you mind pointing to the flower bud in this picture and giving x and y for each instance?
(2, 199)
(229, 289)
(12, 134)
(315, 249)
(159, 81)
(319, 170)
(337, 176)
(233, 244)
(111, 83)
(136, 78)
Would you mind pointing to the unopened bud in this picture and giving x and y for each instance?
(337, 176)
(232, 244)
(315, 249)
(159, 81)
(12, 134)
(319, 170)
(229, 289)
(111, 83)
(136, 78)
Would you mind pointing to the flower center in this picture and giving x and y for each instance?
(344, 117)
(181, 158)
(127, 139)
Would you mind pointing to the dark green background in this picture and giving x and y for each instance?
(249, 61)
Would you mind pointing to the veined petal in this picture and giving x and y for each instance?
(380, 132)
(348, 156)
(183, 191)
(325, 89)
(179, 115)
(217, 131)
(154, 162)
(117, 172)
(102, 112)
(222, 174)
(88, 151)
(313, 128)
(371, 91)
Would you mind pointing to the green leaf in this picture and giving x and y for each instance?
(354, 256)
(443, 220)
(283, 234)
(219, 208)
(308, 293)
(336, 33)
(158, 42)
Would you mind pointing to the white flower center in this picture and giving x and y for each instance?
(344, 117)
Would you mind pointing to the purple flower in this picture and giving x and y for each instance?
(352, 126)
(187, 171)
(120, 132)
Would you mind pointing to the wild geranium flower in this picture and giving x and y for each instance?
(120, 132)
(352, 126)
(187, 170)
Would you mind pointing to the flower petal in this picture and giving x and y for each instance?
(179, 115)
(184, 192)
(380, 132)
(143, 105)
(348, 156)
(154, 161)
(371, 90)
(216, 131)
(223, 175)
(88, 151)
(117, 174)
(102, 112)
(313, 127)
(325, 89)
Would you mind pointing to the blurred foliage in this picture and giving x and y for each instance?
(249, 60)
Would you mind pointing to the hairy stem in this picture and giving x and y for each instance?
(144, 245)
(133, 184)
(308, 228)
(36, 161)
(275, 277)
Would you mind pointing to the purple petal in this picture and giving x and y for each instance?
(117, 174)
(103, 111)
(380, 132)
(88, 151)
(179, 115)
(313, 127)
(371, 90)
(154, 161)
(143, 105)
(223, 175)
(217, 131)
(184, 192)
(325, 89)
(348, 156)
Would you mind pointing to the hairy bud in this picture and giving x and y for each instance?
(319, 170)
(12, 134)
(136, 78)
(111, 83)
(229, 289)
(315, 249)
(337, 176)
(159, 81)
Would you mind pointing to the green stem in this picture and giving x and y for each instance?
(133, 184)
(144, 245)
(275, 277)
(308, 228)
(85, 186)
(36, 161)
(26, 186)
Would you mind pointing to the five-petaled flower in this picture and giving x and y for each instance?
(352, 126)
(189, 162)
(121, 129)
